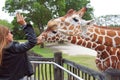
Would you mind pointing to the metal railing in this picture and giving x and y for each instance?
(58, 68)
(55, 65)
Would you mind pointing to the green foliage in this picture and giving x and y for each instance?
(41, 11)
(6, 23)
(77, 5)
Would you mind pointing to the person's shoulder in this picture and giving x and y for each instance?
(12, 44)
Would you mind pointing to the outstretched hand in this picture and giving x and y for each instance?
(20, 19)
(41, 38)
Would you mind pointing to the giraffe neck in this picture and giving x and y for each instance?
(106, 36)
(107, 57)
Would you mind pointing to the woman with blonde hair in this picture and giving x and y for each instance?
(14, 63)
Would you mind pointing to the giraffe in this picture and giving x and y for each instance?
(105, 35)
(107, 56)
(69, 27)
(71, 20)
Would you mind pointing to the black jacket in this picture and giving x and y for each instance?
(15, 63)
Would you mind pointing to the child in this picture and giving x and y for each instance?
(14, 63)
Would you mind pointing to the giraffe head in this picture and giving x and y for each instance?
(69, 23)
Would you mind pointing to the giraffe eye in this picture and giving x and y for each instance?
(76, 20)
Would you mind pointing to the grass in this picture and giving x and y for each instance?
(45, 52)
(85, 60)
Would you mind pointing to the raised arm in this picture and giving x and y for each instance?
(21, 21)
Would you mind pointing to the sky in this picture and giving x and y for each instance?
(101, 7)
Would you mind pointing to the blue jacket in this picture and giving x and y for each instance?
(15, 63)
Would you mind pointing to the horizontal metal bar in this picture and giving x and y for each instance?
(42, 62)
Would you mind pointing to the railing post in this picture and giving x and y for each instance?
(58, 74)
(112, 74)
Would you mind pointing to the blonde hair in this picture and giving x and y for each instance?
(3, 41)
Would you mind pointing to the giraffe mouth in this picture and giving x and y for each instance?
(54, 32)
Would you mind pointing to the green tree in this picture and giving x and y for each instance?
(78, 4)
(41, 11)
(6, 23)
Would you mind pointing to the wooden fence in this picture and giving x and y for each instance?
(58, 68)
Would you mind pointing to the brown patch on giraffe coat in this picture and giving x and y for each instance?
(89, 44)
(69, 38)
(97, 31)
(53, 38)
(118, 65)
(111, 33)
(100, 48)
(71, 27)
(102, 32)
(49, 39)
(104, 55)
(94, 45)
(84, 43)
(108, 41)
(108, 49)
(79, 42)
(118, 55)
(100, 40)
(67, 24)
(64, 28)
(117, 40)
(118, 33)
(73, 40)
(94, 37)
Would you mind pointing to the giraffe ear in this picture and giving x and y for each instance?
(85, 23)
(89, 22)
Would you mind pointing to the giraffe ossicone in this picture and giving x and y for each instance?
(69, 27)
